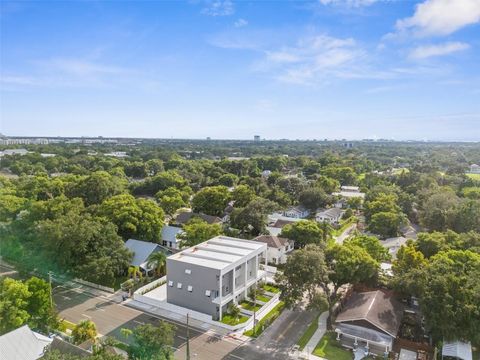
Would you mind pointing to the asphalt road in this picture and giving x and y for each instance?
(110, 317)
(278, 339)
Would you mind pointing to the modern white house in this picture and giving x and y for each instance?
(277, 248)
(171, 237)
(210, 276)
(297, 212)
(331, 216)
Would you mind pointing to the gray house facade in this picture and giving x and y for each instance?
(210, 276)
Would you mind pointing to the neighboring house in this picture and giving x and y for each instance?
(394, 244)
(210, 276)
(141, 251)
(275, 231)
(227, 212)
(23, 344)
(331, 216)
(475, 169)
(458, 350)
(170, 237)
(277, 248)
(186, 216)
(370, 320)
(349, 192)
(117, 154)
(297, 212)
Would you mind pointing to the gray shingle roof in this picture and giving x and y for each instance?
(272, 241)
(23, 344)
(376, 307)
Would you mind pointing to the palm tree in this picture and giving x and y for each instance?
(158, 260)
(83, 331)
(234, 311)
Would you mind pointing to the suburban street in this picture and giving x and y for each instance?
(278, 339)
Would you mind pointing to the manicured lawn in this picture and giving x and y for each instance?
(247, 305)
(229, 320)
(271, 288)
(308, 333)
(267, 320)
(330, 349)
(474, 176)
(263, 298)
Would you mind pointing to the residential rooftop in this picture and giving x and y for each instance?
(218, 252)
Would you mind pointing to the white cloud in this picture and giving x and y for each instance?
(313, 58)
(240, 23)
(348, 3)
(426, 51)
(441, 17)
(219, 8)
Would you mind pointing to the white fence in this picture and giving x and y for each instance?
(150, 286)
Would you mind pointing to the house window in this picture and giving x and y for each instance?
(207, 293)
(188, 271)
(170, 283)
(190, 288)
(179, 285)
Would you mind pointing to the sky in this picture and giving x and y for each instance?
(226, 69)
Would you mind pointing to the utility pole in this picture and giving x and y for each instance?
(188, 340)
(50, 290)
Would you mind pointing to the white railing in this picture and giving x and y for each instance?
(96, 286)
(150, 286)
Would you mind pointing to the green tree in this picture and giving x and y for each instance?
(86, 246)
(386, 224)
(439, 210)
(97, 187)
(450, 299)
(197, 231)
(135, 218)
(10, 205)
(242, 195)
(152, 342)
(228, 180)
(372, 245)
(42, 315)
(313, 198)
(303, 232)
(329, 185)
(83, 331)
(211, 200)
(407, 269)
(234, 311)
(14, 297)
(157, 260)
(252, 218)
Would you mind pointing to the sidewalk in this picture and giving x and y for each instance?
(316, 337)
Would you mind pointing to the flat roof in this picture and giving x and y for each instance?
(219, 252)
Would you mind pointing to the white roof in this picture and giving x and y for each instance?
(219, 252)
(457, 349)
(23, 344)
(348, 194)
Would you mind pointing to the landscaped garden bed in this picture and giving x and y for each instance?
(230, 320)
(266, 321)
(248, 305)
(271, 288)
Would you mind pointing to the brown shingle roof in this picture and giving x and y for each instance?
(376, 307)
(272, 241)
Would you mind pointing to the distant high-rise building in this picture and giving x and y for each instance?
(256, 138)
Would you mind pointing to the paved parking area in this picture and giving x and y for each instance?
(110, 317)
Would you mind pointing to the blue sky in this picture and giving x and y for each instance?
(231, 69)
